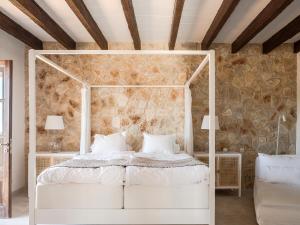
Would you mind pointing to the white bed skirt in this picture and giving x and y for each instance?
(97, 196)
(154, 197)
(101, 204)
(79, 196)
(277, 204)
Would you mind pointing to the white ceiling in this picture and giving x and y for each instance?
(241, 17)
(196, 18)
(154, 19)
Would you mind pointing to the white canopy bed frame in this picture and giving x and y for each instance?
(121, 216)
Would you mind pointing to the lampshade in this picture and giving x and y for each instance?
(54, 123)
(205, 123)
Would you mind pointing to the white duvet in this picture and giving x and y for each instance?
(109, 175)
(131, 175)
(276, 203)
(166, 176)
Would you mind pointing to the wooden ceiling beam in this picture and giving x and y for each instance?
(14, 29)
(85, 17)
(41, 18)
(220, 19)
(287, 32)
(270, 12)
(131, 22)
(297, 46)
(178, 7)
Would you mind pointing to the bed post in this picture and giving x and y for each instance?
(32, 138)
(211, 97)
(85, 138)
(188, 123)
(188, 119)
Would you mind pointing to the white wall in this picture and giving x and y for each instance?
(298, 106)
(12, 49)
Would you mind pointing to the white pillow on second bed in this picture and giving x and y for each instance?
(165, 144)
(109, 143)
(278, 168)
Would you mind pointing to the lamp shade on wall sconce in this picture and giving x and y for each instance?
(205, 123)
(54, 123)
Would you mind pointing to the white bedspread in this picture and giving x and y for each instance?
(166, 176)
(132, 175)
(277, 203)
(110, 175)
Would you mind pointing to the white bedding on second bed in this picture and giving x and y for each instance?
(132, 175)
(149, 176)
(166, 176)
(277, 203)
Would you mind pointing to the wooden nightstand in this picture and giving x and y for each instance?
(46, 159)
(228, 169)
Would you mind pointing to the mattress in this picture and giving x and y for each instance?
(277, 203)
(78, 196)
(174, 197)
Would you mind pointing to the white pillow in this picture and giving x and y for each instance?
(278, 168)
(165, 144)
(109, 143)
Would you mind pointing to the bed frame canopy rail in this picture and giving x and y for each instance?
(121, 216)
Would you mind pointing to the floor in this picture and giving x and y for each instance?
(230, 209)
(19, 210)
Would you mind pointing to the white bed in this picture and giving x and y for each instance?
(101, 192)
(276, 198)
(144, 187)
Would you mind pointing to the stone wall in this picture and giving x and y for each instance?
(252, 90)
(136, 110)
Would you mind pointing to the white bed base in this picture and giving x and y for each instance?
(122, 216)
(117, 216)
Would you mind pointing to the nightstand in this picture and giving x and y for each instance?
(228, 169)
(46, 159)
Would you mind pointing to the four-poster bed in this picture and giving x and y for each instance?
(200, 214)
